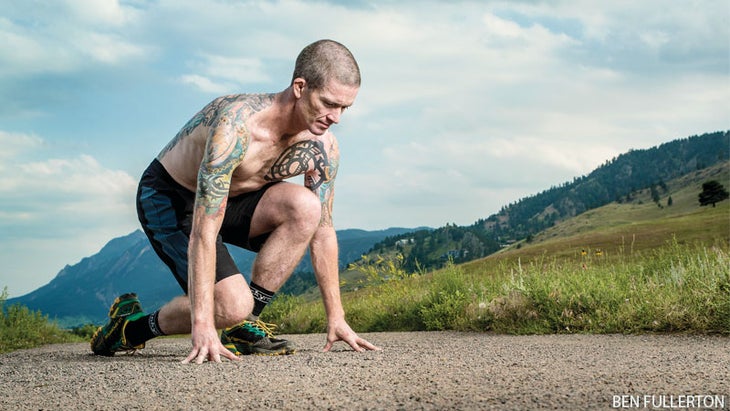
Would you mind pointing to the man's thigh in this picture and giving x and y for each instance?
(237, 222)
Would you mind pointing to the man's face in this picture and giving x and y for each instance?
(323, 107)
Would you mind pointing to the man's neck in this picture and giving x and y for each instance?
(280, 118)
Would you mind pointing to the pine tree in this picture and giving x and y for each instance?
(712, 192)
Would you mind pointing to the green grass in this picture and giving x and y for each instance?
(673, 288)
(21, 328)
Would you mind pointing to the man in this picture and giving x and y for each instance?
(220, 180)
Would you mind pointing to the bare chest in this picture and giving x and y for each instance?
(263, 164)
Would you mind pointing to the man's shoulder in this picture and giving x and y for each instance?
(326, 141)
(251, 102)
(330, 140)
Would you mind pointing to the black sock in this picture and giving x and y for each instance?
(143, 329)
(261, 297)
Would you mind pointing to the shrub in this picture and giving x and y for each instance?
(21, 328)
(445, 304)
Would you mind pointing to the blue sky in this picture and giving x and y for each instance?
(465, 106)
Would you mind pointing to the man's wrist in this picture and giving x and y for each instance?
(202, 321)
(336, 317)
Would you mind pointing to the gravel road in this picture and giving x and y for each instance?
(415, 371)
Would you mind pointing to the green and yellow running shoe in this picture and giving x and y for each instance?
(110, 339)
(124, 305)
(255, 338)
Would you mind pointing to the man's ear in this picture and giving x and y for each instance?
(298, 86)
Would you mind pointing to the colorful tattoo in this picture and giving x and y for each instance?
(207, 116)
(224, 152)
(226, 147)
(327, 194)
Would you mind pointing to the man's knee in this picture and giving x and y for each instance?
(304, 208)
(228, 318)
(287, 205)
(233, 301)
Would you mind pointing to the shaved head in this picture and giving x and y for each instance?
(326, 60)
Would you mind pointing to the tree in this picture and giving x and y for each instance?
(655, 194)
(712, 192)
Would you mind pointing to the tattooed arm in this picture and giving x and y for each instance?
(323, 249)
(224, 151)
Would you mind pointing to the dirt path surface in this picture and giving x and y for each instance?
(431, 371)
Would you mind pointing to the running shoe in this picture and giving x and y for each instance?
(255, 337)
(110, 339)
(124, 305)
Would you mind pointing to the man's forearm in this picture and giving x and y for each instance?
(324, 252)
(201, 282)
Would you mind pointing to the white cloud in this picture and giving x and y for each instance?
(109, 48)
(24, 52)
(622, 32)
(15, 144)
(205, 84)
(63, 37)
(221, 74)
(101, 12)
(65, 208)
(240, 70)
(78, 190)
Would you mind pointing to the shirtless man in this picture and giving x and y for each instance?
(220, 180)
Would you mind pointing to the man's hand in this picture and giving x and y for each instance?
(207, 346)
(341, 331)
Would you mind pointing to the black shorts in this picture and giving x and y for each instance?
(165, 210)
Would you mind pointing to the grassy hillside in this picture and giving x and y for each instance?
(640, 224)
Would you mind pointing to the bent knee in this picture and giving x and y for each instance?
(229, 316)
(290, 205)
(233, 301)
(303, 208)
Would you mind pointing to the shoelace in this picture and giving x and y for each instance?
(267, 328)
